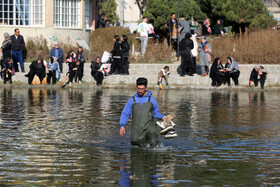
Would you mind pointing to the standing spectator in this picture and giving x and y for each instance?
(36, 68)
(57, 53)
(151, 32)
(232, 71)
(172, 24)
(206, 28)
(194, 51)
(8, 71)
(260, 72)
(101, 21)
(217, 73)
(184, 27)
(82, 58)
(117, 56)
(107, 24)
(186, 45)
(96, 72)
(18, 45)
(143, 30)
(6, 47)
(53, 71)
(219, 28)
(125, 54)
(204, 49)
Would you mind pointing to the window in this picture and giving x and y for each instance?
(88, 19)
(22, 12)
(67, 13)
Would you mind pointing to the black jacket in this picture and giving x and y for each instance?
(186, 44)
(17, 44)
(117, 51)
(101, 23)
(125, 49)
(94, 67)
(7, 51)
(39, 69)
(254, 74)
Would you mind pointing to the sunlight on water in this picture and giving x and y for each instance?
(70, 137)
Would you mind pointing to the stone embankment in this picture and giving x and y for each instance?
(150, 71)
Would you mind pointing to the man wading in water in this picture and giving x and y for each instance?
(144, 109)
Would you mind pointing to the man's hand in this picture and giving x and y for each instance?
(251, 83)
(122, 131)
(164, 117)
(56, 58)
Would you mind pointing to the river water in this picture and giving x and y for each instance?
(70, 137)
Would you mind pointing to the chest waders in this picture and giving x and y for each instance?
(143, 128)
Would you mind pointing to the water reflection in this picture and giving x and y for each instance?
(70, 137)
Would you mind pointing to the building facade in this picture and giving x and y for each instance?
(55, 20)
(128, 13)
(274, 8)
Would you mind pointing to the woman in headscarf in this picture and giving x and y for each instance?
(38, 68)
(185, 46)
(232, 71)
(217, 73)
(6, 49)
(204, 49)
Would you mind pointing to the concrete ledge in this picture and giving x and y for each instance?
(150, 71)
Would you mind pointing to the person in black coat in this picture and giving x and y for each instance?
(18, 45)
(217, 73)
(36, 68)
(125, 55)
(117, 56)
(185, 46)
(6, 49)
(101, 21)
(96, 72)
(258, 71)
(8, 71)
(79, 72)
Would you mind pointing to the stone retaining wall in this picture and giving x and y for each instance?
(150, 71)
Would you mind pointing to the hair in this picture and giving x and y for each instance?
(229, 59)
(144, 17)
(142, 81)
(6, 35)
(117, 37)
(188, 35)
(95, 59)
(51, 59)
(172, 14)
(39, 59)
(16, 29)
(55, 43)
(166, 67)
(152, 21)
(80, 47)
(182, 16)
(124, 37)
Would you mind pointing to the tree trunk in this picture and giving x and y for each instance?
(240, 30)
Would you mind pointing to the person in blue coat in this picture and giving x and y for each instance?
(57, 53)
(144, 110)
(53, 71)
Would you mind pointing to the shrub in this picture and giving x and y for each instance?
(36, 47)
(259, 47)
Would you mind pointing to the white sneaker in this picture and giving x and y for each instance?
(80, 82)
(166, 129)
(171, 134)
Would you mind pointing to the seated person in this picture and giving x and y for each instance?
(36, 68)
(53, 71)
(79, 72)
(8, 71)
(232, 71)
(96, 71)
(260, 72)
(217, 73)
(163, 74)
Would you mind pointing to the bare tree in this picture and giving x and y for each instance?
(141, 5)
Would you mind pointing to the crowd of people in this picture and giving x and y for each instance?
(12, 47)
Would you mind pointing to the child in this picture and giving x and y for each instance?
(163, 74)
(167, 127)
(70, 59)
(8, 71)
(79, 71)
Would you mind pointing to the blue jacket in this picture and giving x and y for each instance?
(60, 53)
(128, 107)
